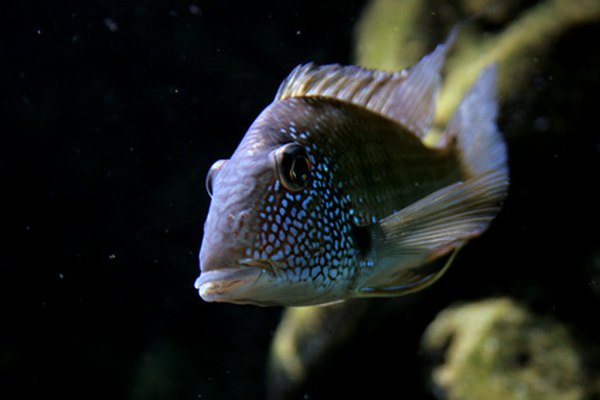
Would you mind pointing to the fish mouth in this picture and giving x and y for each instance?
(223, 284)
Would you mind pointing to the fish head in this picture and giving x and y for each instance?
(262, 233)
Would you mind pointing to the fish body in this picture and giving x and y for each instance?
(333, 193)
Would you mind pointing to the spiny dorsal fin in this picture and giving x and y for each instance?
(347, 83)
(407, 97)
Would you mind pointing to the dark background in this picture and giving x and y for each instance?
(112, 112)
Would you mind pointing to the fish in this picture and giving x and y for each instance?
(337, 190)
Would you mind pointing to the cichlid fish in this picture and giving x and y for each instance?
(333, 192)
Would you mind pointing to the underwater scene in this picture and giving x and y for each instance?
(368, 199)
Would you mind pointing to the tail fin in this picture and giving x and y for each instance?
(479, 144)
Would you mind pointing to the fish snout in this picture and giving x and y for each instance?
(223, 241)
(222, 275)
(212, 258)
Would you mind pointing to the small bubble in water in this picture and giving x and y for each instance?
(541, 124)
(111, 24)
(194, 9)
(112, 256)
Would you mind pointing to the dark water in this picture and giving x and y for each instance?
(112, 114)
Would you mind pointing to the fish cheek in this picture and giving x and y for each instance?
(238, 223)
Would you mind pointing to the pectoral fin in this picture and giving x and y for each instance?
(405, 243)
(410, 282)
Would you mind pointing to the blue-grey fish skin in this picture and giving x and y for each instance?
(332, 193)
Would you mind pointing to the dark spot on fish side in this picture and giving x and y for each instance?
(362, 239)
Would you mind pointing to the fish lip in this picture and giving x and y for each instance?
(224, 284)
(216, 284)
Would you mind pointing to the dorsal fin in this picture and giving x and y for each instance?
(407, 96)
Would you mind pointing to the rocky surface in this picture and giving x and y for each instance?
(498, 349)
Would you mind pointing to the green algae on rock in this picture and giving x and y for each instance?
(497, 349)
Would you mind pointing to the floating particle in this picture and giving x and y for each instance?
(194, 9)
(111, 24)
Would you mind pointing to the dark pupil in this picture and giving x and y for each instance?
(299, 169)
(293, 167)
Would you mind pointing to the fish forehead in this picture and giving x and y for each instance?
(250, 166)
(236, 185)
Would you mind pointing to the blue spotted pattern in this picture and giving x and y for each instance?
(309, 232)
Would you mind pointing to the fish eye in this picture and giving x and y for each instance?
(211, 175)
(293, 166)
